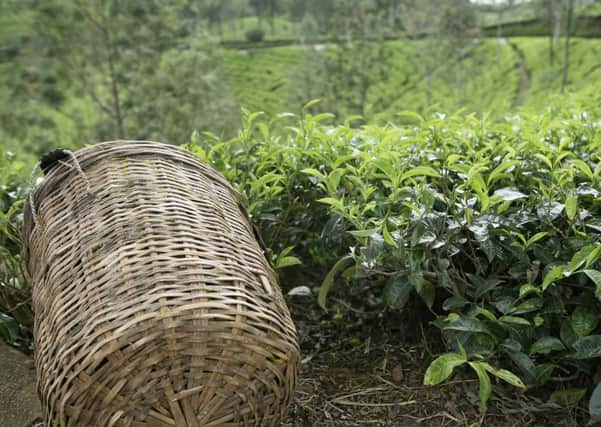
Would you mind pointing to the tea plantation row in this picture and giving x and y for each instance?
(494, 225)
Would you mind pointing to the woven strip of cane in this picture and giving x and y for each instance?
(154, 304)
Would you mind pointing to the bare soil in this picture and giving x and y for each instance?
(370, 372)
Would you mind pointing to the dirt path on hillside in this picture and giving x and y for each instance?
(523, 70)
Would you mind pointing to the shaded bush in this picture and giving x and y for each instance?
(255, 35)
(16, 316)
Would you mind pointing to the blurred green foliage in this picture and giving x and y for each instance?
(16, 316)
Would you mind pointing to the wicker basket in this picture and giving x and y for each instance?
(154, 304)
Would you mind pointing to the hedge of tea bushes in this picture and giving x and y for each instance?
(494, 224)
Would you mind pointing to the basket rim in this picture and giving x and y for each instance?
(119, 148)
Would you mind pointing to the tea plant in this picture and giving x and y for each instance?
(494, 225)
(265, 162)
(15, 313)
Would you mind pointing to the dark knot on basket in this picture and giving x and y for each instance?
(154, 303)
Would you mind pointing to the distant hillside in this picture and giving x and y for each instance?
(495, 76)
(521, 19)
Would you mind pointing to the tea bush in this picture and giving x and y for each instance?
(494, 224)
(16, 317)
(265, 162)
(255, 35)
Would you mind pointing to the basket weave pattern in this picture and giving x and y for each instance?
(154, 304)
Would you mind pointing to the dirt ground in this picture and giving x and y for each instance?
(370, 373)
(357, 370)
(18, 401)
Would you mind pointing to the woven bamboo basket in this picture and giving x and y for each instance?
(154, 304)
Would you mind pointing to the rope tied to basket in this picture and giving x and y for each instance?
(46, 164)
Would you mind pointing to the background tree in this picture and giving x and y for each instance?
(31, 90)
(111, 49)
(191, 94)
(566, 51)
(418, 20)
(550, 12)
(346, 78)
(269, 9)
(458, 25)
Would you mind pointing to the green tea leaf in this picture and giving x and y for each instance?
(442, 367)
(286, 261)
(388, 237)
(584, 168)
(311, 104)
(587, 347)
(581, 256)
(546, 345)
(567, 334)
(328, 282)
(485, 389)
(568, 397)
(525, 364)
(594, 405)
(420, 171)
(483, 285)
(487, 313)
(454, 302)
(545, 160)
(514, 319)
(553, 275)
(410, 115)
(571, 206)
(397, 291)
(527, 289)
(595, 276)
(498, 172)
(584, 320)
(9, 328)
(536, 238)
(314, 172)
(528, 306)
(365, 233)
(423, 288)
(335, 203)
(467, 324)
(505, 375)
(510, 194)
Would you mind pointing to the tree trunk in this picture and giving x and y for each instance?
(551, 23)
(557, 22)
(556, 30)
(566, 51)
(272, 16)
(551, 50)
(115, 96)
(220, 27)
(499, 39)
(458, 82)
(426, 72)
